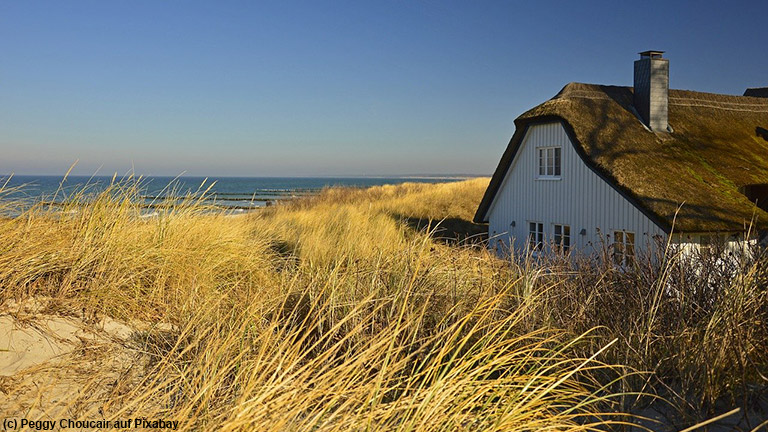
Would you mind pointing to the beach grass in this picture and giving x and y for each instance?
(356, 309)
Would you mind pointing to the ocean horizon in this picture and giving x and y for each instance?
(235, 193)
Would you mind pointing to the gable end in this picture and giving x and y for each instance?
(522, 127)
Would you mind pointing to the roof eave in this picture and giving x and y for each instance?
(481, 216)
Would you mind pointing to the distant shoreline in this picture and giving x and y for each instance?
(234, 193)
(394, 177)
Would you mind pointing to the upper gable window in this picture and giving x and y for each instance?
(549, 162)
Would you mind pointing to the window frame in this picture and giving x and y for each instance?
(707, 245)
(561, 242)
(535, 230)
(624, 247)
(549, 162)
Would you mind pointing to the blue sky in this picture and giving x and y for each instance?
(304, 88)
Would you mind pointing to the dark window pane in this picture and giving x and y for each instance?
(541, 233)
(618, 247)
(550, 162)
(618, 254)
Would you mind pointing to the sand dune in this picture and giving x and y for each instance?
(48, 360)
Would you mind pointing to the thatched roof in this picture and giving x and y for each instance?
(718, 144)
(757, 92)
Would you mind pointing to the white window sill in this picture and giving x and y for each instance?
(549, 178)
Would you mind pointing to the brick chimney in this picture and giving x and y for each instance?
(652, 90)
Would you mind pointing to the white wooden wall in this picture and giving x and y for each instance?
(580, 198)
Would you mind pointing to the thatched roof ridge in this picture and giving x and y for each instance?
(757, 92)
(718, 144)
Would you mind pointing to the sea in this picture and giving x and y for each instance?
(238, 194)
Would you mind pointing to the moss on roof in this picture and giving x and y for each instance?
(718, 144)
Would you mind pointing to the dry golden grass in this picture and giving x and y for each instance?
(335, 312)
(326, 314)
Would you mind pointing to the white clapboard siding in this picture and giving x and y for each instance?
(580, 199)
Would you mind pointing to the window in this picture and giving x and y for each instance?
(561, 237)
(549, 162)
(706, 246)
(623, 247)
(536, 236)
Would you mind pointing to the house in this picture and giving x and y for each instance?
(631, 165)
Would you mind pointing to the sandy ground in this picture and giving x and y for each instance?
(51, 363)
